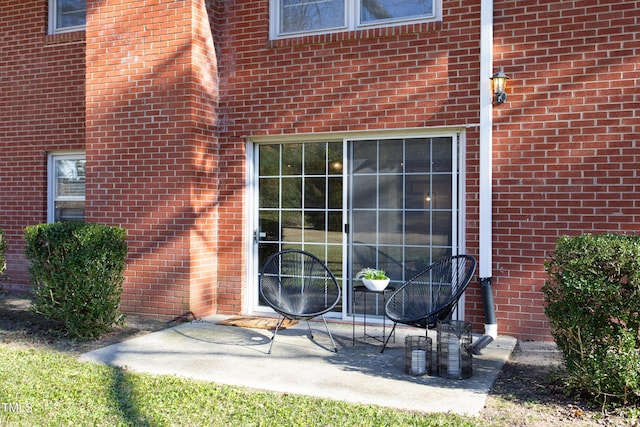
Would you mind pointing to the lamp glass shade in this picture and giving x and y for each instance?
(499, 80)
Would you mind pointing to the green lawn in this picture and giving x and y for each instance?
(43, 387)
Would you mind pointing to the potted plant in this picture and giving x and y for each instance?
(373, 279)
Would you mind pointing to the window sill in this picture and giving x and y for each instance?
(70, 37)
(366, 33)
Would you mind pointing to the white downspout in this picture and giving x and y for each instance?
(486, 165)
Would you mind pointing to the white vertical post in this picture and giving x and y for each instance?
(486, 164)
(486, 135)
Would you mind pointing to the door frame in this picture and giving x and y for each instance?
(252, 269)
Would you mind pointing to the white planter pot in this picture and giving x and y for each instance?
(376, 285)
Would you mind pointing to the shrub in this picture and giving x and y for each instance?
(3, 250)
(77, 271)
(593, 301)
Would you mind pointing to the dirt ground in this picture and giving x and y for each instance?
(527, 392)
(18, 324)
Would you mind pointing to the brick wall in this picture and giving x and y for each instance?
(566, 147)
(410, 76)
(151, 149)
(397, 77)
(42, 109)
(166, 154)
(564, 144)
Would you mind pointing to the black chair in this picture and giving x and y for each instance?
(298, 286)
(431, 295)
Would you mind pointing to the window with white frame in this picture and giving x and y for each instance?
(296, 17)
(66, 189)
(67, 15)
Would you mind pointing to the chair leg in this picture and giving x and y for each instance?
(275, 332)
(310, 331)
(335, 348)
(393, 330)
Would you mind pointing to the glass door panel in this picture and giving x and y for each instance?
(401, 207)
(300, 188)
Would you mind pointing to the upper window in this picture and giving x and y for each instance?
(67, 15)
(296, 17)
(66, 187)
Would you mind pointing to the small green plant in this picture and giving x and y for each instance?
(3, 249)
(592, 297)
(77, 270)
(372, 274)
(632, 414)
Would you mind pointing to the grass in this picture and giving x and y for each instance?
(45, 387)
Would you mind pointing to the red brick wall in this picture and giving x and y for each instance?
(151, 149)
(42, 109)
(564, 144)
(166, 153)
(566, 147)
(401, 77)
(398, 77)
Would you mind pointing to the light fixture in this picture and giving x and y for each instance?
(499, 81)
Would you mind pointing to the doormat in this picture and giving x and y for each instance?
(257, 322)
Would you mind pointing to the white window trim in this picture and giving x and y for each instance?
(352, 17)
(51, 181)
(53, 4)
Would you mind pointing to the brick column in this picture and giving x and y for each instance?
(151, 100)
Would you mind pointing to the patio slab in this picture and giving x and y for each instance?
(359, 373)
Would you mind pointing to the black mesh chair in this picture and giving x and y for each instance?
(431, 295)
(298, 286)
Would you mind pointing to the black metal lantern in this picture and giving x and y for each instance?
(499, 81)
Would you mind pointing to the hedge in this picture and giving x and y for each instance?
(593, 303)
(77, 271)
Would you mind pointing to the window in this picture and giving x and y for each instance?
(67, 15)
(296, 17)
(66, 187)
(301, 200)
(402, 203)
(372, 11)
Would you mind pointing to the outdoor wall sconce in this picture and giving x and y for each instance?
(499, 81)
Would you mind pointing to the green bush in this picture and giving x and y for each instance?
(593, 303)
(77, 271)
(3, 251)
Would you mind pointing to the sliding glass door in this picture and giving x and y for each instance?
(384, 203)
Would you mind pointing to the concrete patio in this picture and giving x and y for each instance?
(359, 373)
